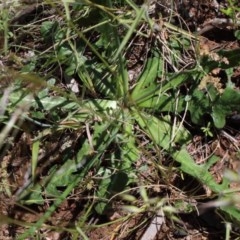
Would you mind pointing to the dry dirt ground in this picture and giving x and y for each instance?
(201, 17)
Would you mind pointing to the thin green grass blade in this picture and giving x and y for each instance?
(139, 14)
(35, 152)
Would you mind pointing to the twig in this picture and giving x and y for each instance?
(154, 227)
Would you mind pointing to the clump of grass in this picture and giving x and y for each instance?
(96, 132)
